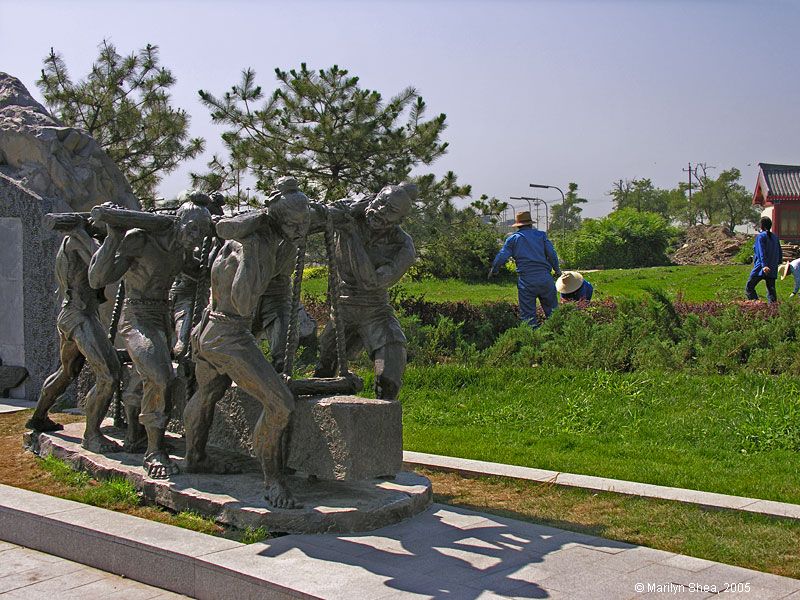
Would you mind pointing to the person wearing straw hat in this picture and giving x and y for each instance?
(573, 287)
(535, 258)
(792, 267)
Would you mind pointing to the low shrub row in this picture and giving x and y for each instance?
(630, 335)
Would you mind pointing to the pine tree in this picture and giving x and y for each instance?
(125, 105)
(335, 137)
(567, 215)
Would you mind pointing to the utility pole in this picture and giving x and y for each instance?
(690, 179)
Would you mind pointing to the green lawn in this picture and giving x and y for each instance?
(736, 435)
(695, 283)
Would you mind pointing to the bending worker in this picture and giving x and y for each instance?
(535, 258)
(792, 268)
(574, 288)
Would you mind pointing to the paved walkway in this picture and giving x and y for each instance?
(8, 405)
(30, 575)
(449, 552)
(444, 553)
(466, 466)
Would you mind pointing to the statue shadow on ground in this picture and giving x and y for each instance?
(451, 552)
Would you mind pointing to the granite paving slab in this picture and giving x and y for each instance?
(27, 574)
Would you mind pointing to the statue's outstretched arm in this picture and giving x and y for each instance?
(241, 226)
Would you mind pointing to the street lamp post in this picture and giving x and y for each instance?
(542, 186)
(528, 200)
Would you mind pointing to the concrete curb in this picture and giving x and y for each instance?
(464, 466)
(156, 554)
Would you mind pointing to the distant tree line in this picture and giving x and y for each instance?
(339, 139)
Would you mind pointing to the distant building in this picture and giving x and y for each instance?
(778, 192)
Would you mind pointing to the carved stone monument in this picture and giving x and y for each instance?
(44, 167)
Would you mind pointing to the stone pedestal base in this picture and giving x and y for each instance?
(238, 500)
(344, 438)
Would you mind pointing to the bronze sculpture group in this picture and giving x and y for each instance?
(166, 311)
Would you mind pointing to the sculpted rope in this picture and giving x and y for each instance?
(293, 331)
(333, 295)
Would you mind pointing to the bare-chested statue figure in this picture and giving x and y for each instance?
(182, 296)
(82, 339)
(273, 311)
(224, 347)
(148, 262)
(372, 253)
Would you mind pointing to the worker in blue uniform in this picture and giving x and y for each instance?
(767, 255)
(535, 258)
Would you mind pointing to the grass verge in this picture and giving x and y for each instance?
(734, 434)
(745, 540)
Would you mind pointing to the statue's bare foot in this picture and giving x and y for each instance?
(211, 465)
(279, 496)
(44, 424)
(100, 444)
(136, 446)
(159, 465)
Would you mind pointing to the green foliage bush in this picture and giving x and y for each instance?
(634, 335)
(316, 272)
(625, 238)
(464, 250)
(478, 325)
(745, 255)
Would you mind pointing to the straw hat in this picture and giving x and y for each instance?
(783, 270)
(570, 281)
(523, 218)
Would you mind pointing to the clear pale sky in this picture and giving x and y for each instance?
(547, 92)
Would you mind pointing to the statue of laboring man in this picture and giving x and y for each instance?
(224, 347)
(148, 261)
(273, 310)
(373, 252)
(184, 288)
(82, 339)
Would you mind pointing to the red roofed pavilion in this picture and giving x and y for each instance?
(778, 191)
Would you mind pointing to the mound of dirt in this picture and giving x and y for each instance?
(709, 245)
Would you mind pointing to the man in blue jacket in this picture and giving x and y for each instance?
(767, 255)
(535, 258)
